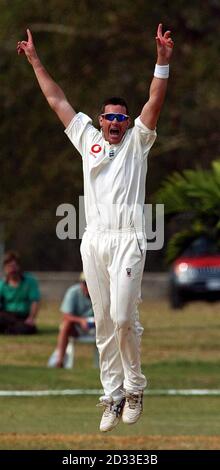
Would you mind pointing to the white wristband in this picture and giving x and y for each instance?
(161, 71)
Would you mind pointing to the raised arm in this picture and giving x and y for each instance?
(151, 110)
(52, 92)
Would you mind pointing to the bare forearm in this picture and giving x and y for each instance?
(151, 110)
(52, 92)
(62, 342)
(73, 318)
(33, 311)
(157, 92)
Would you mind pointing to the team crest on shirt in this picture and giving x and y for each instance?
(95, 149)
(111, 154)
(128, 272)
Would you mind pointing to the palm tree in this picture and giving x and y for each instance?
(194, 198)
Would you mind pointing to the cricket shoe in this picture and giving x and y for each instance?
(112, 413)
(133, 407)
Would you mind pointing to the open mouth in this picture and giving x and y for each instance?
(115, 132)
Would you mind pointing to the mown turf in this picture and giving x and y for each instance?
(105, 442)
(179, 350)
(164, 374)
(164, 416)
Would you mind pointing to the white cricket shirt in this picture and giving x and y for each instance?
(114, 175)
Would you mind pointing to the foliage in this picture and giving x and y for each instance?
(94, 50)
(195, 194)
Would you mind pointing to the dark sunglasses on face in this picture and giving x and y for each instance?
(118, 116)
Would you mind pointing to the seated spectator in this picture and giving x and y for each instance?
(19, 298)
(77, 309)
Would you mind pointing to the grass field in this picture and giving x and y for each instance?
(179, 350)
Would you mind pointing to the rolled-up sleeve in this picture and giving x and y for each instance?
(147, 136)
(68, 304)
(80, 132)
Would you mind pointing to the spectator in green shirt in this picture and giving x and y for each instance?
(19, 298)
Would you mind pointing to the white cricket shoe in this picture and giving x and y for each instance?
(133, 407)
(111, 415)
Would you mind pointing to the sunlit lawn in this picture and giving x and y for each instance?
(179, 350)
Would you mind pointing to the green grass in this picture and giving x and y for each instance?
(164, 374)
(64, 415)
(179, 350)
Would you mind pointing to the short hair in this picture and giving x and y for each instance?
(10, 256)
(82, 277)
(114, 100)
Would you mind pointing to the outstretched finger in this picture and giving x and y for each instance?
(159, 31)
(158, 41)
(30, 39)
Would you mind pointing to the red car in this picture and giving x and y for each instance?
(196, 273)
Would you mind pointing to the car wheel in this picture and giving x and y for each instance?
(176, 298)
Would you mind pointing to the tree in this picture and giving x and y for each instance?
(96, 49)
(193, 198)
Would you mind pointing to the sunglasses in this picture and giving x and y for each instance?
(118, 116)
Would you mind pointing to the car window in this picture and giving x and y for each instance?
(202, 246)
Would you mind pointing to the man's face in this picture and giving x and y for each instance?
(113, 130)
(12, 268)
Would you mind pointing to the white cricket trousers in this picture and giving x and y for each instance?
(113, 264)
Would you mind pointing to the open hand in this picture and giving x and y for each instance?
(164, 45)
(27, 47)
